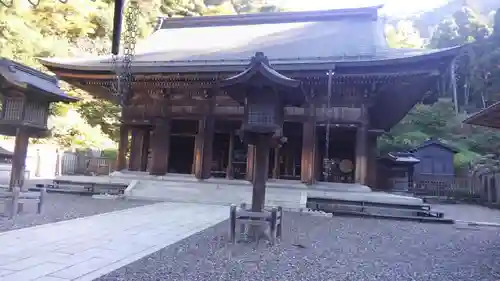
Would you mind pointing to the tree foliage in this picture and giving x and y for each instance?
(478, 83)
(83, 28)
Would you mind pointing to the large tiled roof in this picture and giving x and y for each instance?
(336, 36)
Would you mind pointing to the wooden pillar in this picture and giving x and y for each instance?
(160, 147)
(146, 139)
(121, 161)
(308, 158)
(230, 168)
(276, 165)
(204, 148)
(58, 168)
(361, 165)
(318, 167)
(372, 167)
(250, 162)
(410, 177)
(19, 159)
(260, 173)
(136, 149)
(38, 163)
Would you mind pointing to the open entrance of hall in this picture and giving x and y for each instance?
(215, 150)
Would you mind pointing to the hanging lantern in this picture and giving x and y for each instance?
(264, 93)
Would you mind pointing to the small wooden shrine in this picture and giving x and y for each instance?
(355, 88)
(26, 95)
(396, 170)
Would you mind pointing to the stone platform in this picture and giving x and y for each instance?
(286, 193)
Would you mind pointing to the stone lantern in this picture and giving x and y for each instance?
(26, 95)
(264, 93)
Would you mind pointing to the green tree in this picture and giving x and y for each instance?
(464, 26)
(403, 35)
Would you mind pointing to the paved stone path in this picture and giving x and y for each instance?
(86, 248)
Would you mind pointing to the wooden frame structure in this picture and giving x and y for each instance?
(488, 117)
(26, 96)
(179, 123)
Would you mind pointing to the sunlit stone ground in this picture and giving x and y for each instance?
(59, 207)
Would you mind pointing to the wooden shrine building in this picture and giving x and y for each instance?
(180, 121)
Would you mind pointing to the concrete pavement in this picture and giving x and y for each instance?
(86, 248)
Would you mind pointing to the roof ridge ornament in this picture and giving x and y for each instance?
(259, 64)
(259, 57)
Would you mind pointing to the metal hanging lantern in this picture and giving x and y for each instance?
(264, 93)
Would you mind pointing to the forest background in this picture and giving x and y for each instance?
(83, 28)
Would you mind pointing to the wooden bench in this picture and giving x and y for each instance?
(243, 218)
(15, 199)
(92, 187)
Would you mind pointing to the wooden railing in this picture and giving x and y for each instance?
(444, 186)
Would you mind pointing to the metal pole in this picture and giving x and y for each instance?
(117, 26)
(327, 138)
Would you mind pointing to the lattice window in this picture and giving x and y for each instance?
(35, 113)
(13, 108)
(261, 114)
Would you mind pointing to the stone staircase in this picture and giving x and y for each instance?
(208, 192)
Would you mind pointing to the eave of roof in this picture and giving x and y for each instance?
(28, 79)
(488, 117)
(403, 158)
(107, 65)
(4, 152)
(435, 142)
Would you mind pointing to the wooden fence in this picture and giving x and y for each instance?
(488, 184)
(475, 188)
(75, 163)
(445, 186)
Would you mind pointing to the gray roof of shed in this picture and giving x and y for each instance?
(335, 36)
(30, 79)
(5, 153)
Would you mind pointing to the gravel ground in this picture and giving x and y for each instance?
(59, 207)
(325, 248)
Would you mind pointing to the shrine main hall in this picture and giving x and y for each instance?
(178, 121)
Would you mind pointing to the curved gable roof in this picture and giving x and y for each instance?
(335, 36)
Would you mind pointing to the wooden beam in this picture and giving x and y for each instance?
(204, 144)
(19, 159)
(361, 165)
(308, 161)
(260, 173)
(230, 167)
(372, 154)
(160, 146)
(146, 139)
(276, 164)
(250, 162)
(121, 161)
(136, 149)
